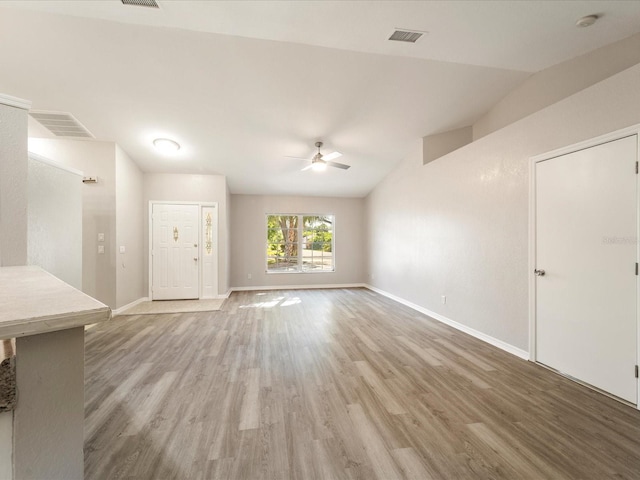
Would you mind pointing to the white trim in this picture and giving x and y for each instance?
(458, 326)
(296, 287)
(592, 142)
(10, 101)
(532, 260)
(118, 311)
(53, 163)
(300, 229)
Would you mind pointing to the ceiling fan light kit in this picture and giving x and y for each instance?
(319, 162)
(319, 165)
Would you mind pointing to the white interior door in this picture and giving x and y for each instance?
(175, 236)
(586, 243)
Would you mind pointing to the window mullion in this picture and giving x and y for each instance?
(300, 232)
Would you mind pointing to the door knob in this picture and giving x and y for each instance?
(539, 273)
(195, 259)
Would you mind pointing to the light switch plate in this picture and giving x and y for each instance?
(101, 237)
(100, 248)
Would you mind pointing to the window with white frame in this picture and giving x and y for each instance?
(300, 243)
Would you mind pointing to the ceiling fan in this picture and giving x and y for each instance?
(320, 162)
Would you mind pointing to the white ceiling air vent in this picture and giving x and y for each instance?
(142, 3)
(61, 124)
(405, 36)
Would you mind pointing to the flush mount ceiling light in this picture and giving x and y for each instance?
(586, 21)
(166, 146)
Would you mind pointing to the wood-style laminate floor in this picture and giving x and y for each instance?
(335, 384)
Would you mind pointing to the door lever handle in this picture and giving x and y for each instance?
(539, 273)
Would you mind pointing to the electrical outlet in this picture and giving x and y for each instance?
(101, 249)
(122, 249)
(101, 237)
(249, 276)
(444, 299)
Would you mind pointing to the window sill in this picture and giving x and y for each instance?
(298, 273)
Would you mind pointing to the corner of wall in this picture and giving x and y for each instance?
(439, 144)
(129, 229)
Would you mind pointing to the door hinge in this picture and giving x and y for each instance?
(636, 168)
(636, 269)
(636, 371)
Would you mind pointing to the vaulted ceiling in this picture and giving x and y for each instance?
(243, 86)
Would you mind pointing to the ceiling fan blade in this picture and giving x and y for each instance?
(339, 165)
(306, 168)
(331, 156)
(297, 158)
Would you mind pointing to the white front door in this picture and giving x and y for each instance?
(586, 243)
(175, 237)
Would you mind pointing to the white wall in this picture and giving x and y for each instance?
(13, 227)
(129, 230)
(458, 225)
(55, 220)
(13, 185)
(248, 238)
(99, 208)
(189, 188)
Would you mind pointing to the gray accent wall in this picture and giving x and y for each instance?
(130, 223)
(13, 186)
(93, 158)
(168, 187)
(249, 238)
(55, 220)
(13, 229)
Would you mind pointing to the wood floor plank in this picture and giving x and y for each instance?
(342, 383)
(381, 390)
(383, 464)
(411, 464)
(250, 413)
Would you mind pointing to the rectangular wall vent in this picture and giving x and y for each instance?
(142, 3)
(405, 36)
(61, 124)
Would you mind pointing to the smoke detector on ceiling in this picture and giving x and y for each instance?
(141, 3)
(407, 36)
(61, 124)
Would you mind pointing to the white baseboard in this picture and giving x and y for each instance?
(224, 296)
(118, 311)
(458, 326)
(296, 287)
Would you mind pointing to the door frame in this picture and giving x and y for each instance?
(533, 161)
(200, 242)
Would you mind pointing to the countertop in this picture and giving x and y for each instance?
(33, 301)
